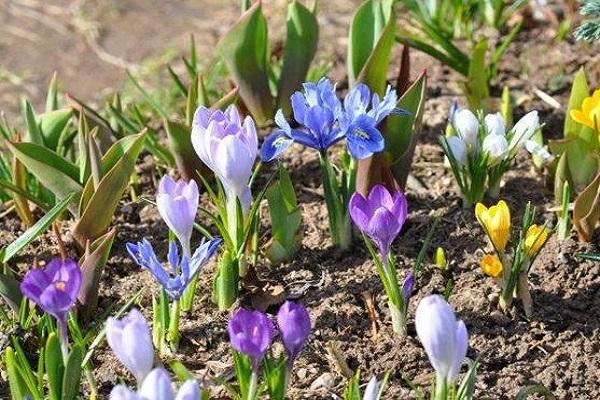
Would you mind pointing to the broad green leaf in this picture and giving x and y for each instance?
(180, 143)
(54, 172)
(300, 47)
(54, 366)
(586, 211)
(244, 50)
(10, 291)
(16, 383)
(19, 176)
(52, 125)
(583, 164)
(39, 227)
(72, 373)
(98, 212)
(476, 87)
(106, 136)
(402, 132)
(52, 95)
(579, 91)
(533, 389)
(92, 264)
(371, 38)
(34, 133)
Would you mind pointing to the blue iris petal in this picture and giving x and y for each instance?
(275, 144)
(364, 138)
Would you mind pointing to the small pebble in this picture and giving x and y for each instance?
(325, 381)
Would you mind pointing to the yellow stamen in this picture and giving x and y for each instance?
(60, 286)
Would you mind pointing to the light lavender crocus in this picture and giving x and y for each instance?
(228, 147)
(444, 338)
(380, 216)
(177, 203)
(131, 342)
(158, 386)
(251, 333)
(466, 125)
(294, 325)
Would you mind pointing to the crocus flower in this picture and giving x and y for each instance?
(494, 124)
(157, 386)
(228, 147)
(130, 340)
(177, 203)
(491, 265)
(372, 390)
(444, 338)
(466, 125)
(251, 333)
(496, 147)
(54, 289)
(589, 114)
(458, 148)
(496, 222)
(535, 238)
(182, 270)
(523, 130)
(294, 325)
(380, 216)
(408, 285)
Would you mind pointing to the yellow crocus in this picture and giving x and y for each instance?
(496, 222)
(589, 115)
(491, 265)
(535, 238)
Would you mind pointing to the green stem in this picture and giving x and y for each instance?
(225, 288)
(173, 333)
(187, 298)
(441, 388)
(253, 386)
(398, 318)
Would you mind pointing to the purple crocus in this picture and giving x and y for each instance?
(130, 340)
(54, 289)
(444, 338)
(380, 216)
(183, 269)
(294, 325)
(408, 285)
(251, 333)
(177, 204)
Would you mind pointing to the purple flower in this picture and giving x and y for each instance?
(294, 324)
(54, 288)
(444, 338)
(182, 270)
(251, 333)
(131, 342)
(228, 147)
(177, 203)
(380, 216)
(408, 285)
(279, 141)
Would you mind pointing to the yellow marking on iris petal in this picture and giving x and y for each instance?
(279, 141)
(60, 286)
(361, 133)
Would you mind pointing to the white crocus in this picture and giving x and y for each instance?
(457, 147)
(466, 125)
(495, 124)
(523, 130)
(496, 147)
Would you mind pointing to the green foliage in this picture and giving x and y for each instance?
(589, 30)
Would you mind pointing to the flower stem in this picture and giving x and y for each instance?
(441, 388)
(187, 298)
(398, 319)
(173, 333)
(253, 386)
(64, 337)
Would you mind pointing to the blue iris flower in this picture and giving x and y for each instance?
(182, 270)
(324, 121)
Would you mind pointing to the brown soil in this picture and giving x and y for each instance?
(559, 347)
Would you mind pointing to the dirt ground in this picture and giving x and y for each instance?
(558, 347)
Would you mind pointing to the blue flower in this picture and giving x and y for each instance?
(182, 270)
(279, 141)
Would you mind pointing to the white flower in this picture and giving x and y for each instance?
(537, 150)
(455, 146)
(524, 130)
(495, 124)
(466, 125)
(496, 146)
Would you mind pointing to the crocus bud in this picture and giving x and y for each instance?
(372, 390)
(228, 147)
(496, 222)
(458, 148)
(535, 238)
(495, 124)
(54, 288)
(444, 338)
(251, 333)
(190, 390)
(466, 125)
(157, 386)
(294, 325)
(131, 342)
(380, 216)
(524, 130)
(408, 285)
(121, 392)
(177, 204)
(496, 147)
(491, 265)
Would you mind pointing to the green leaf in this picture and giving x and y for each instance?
(586, 210)
(106, 135)
(371, 38)
(182, 373)
(52, 95)
(579, 91)
(72, 373)
(531, 389)
(36, 229)
(300, 48)
(244, 50)
(34, 134)
(180, 143)
(10, 291)
(401, 132)
(52, 124)
(53, 171)
(98, 212)
(476, 88)
(92, 264)
(54, 366)
(18, 386)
